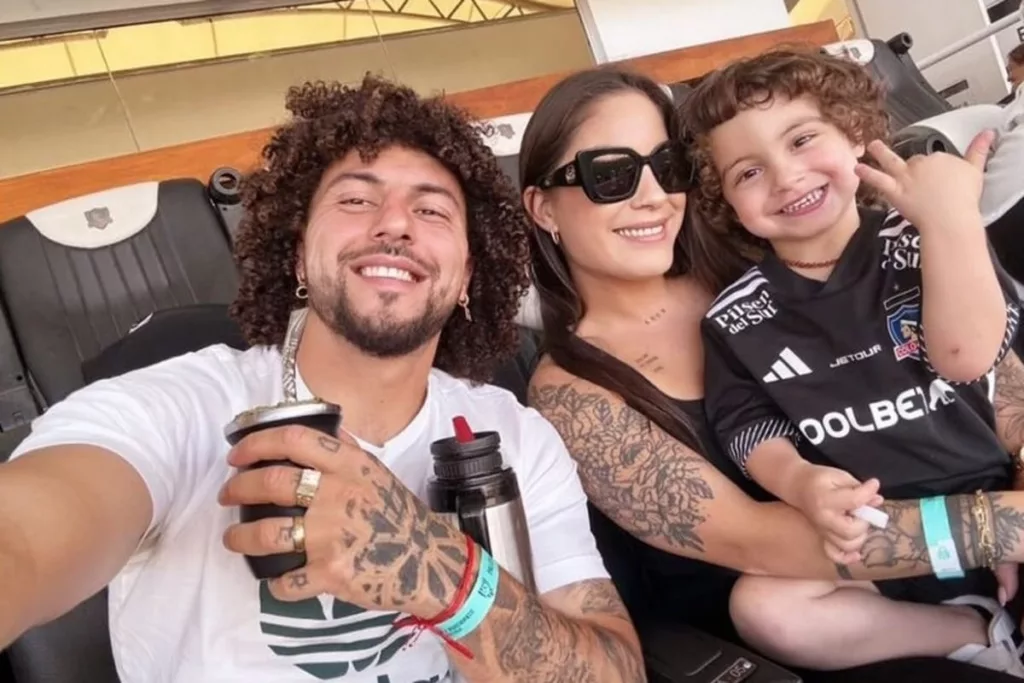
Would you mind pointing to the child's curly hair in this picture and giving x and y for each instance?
(330, 120)
(848, 96)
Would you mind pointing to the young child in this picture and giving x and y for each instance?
(855, 358)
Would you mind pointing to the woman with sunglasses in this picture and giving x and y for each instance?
(605, 178)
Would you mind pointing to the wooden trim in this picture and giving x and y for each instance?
(22, 194)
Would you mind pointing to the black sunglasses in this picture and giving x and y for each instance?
(612, 174)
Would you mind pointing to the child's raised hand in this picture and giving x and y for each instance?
(827, 497)
(932, 189)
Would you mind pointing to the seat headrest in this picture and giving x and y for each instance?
(680, 92)
(504, 134)
(98, 220)
(858, 51)
(961, 125)
(529, 311)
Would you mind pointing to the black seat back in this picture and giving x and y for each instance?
(166, 334)
(76, 647)
(18, 402)
(909, 97)
(75, 276)
(72, 649)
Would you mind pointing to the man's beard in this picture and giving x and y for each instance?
(381, 336)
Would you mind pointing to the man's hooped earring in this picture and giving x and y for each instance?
(301, 292)
(464, 302)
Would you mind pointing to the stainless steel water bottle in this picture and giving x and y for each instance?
(480, 495)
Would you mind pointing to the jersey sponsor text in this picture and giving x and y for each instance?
(746, 313)
(856, 357)
(910, 404)
(902, 251)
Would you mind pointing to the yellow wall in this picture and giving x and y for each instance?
(139, 46)
(65, 124)
(810, 11)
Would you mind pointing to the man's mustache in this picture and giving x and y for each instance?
(397, 250)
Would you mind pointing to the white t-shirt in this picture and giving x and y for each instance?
(186, 610)
(1003, 172)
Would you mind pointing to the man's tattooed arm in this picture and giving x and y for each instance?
(390, 552)
(1009, 402)
(579, 633)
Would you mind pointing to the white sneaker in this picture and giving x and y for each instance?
(1001, 654)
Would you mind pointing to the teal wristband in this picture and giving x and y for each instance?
(939, 539)
(479, 602)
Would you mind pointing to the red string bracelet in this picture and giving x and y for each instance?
(461, 595)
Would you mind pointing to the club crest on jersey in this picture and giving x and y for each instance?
(902, 321)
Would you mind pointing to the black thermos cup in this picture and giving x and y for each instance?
(315, 414)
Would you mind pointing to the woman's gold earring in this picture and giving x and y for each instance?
(554, 236)
(301, 292)
(464, 302)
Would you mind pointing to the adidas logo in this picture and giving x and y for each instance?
(788, 365)
(333, 640)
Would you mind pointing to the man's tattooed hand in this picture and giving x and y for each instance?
(369, 540)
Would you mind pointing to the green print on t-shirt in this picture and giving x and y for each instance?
(359, 640)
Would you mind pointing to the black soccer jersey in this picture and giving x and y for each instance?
(841, 368)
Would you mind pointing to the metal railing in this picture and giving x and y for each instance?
(973, 39)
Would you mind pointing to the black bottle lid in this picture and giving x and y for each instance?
(467, 455)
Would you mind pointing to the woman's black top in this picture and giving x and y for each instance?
(658, 586)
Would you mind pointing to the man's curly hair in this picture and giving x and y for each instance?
(848, 96)
(328, 121)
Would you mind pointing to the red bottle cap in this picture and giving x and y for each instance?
(463, 432)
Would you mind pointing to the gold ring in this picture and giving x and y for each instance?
(298, 534)
(305, 492)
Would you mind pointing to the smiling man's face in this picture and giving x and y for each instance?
(385, 255)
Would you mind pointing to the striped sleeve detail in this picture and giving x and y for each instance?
(749, 438)
(1012, 327)
(746, 287)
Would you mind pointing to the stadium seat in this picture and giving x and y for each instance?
(224, 188)
(909, 96)
(949, 132)
(75, 276)
(1003, 198)
(18, 404)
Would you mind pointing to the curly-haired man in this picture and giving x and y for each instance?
(382, 262)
